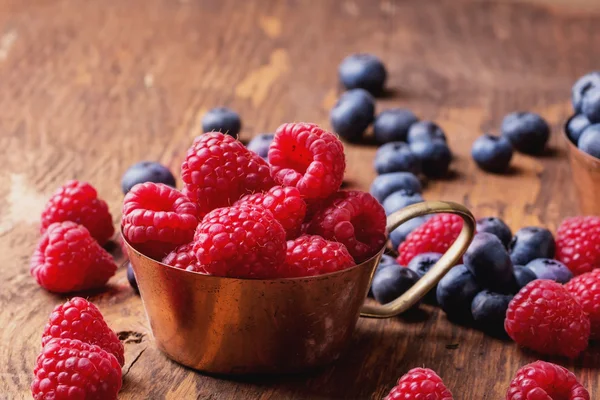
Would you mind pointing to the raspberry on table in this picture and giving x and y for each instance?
(184, 257)
(542, 380)
(309, 158)
(312, 255)
(420, 384)
(78, 202)
(355, 219)
(586, 290)
(71, 369)
(286, 204)
(242, 241)
(79, 319)
(546, 318)
(158, 218)
(578, 243)
(68, 259)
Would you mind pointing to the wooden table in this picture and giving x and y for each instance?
(90, 87)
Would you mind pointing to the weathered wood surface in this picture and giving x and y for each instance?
(87, 88)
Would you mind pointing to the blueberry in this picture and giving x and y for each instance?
(489, 262)
(392, 125)
(545, 268)
(146, 171)
(352, 114)
(421, 264)
(523, 276)
(390, 283)
(400, 199)
(456, 291)
(399, 234)
(131, 278)
(396, 157)
(530, 243)
(384, 262)
(590, 105)
(223, 120)
(260, 144)
(425, 131)
(589, 141)
(435, 157)
(575, 127)
(582, 85)
(496, 227)
(527, 132)
(489, 310)
(492, 153)
(386, 184)
(364, 71)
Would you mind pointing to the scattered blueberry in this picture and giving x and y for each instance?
(523, 276)
(489, 262)
(421, 264)
(352, 114)
(131, 278)
(391, 283)
(399, 234)
(146, 171)
(546, 268)
(425, 131)
(392, 125)
(575, 127)
(492, 153)
(386, 184)
(526, 131)
(582, 85)
(384, 262)
(260, 144)
(530, 243)
(435, 157)
(489, 310)
(223, 120)
(396, 157)
(456, 291)
(364, 71)
(589, 141)
(400, 199)
(590, 105)
(496, 227)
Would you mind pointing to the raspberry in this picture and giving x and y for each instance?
(544, 317)
(542, 380)
(78, 202)
(420, 383)
(286, 205)
(219, 170)
(586, 290)
(355, 219)
(79, 319)
(184, 257)
(309, 158)
(70, 369)
(158, 218)
(243, 241)
(578, 243)
(313, 255)
(434, 236)
(68, 259)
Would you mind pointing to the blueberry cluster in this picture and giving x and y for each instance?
(583, 128)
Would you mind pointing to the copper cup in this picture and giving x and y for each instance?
(241, 326)
(586, 175)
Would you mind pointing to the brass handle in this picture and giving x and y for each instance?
(447, 261)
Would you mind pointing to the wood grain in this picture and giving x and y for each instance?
(88, 88)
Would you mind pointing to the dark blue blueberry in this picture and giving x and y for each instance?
(523, 276)
(396, 157)
(260, 144)
(391, 283)
(576, 126)
(489, 262)
(400, 199)
(496, 227)
(590, 105)
(364, 71)
(352, 114)
(492, 153)
(530, 243)
(421, 264)
(392, 125)
(582, 85)
(435, 157)
(589, 141)
(222, 120)
(131, 278)
(489, 310)
(386, 184)
(399, 234)
(526, 131)
(385, 262)
(425, 131)
(456, 291)
(546, 268)
(146, 171)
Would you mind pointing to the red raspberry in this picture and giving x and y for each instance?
(158, 218)
(286, 205)
(219, 170)
(355, 219)
(309, 158)
(79, 319)
(542, 380)
(313, 255)
(434, 236)
(546, 318)
(184, 257)
(68, 259)
(578, 243)
(420, 384)
(78, 202)
(243, 241)
(68, 369)
(586, 290)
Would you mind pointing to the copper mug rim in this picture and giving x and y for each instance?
(573, 147)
